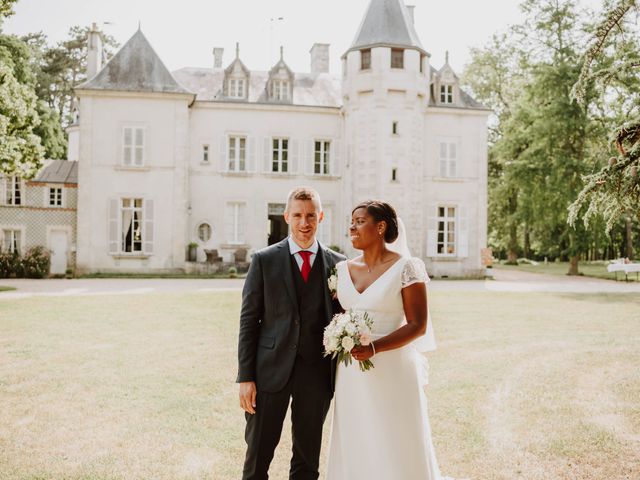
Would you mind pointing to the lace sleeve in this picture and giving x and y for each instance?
(414, 271)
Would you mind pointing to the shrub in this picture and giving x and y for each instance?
(36, 262)
(10, 265)
(233, 272)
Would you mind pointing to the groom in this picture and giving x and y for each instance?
(285, 306)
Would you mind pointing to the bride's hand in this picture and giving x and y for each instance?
(362, 353)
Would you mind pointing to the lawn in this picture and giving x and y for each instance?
(523, 386)
(588, 269)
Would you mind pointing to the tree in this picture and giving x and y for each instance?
(62, 67)
(21, 151)
(541, 145)
(611, 67)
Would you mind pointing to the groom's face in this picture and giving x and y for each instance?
(303, 217)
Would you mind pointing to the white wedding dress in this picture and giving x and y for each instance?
(380, 427)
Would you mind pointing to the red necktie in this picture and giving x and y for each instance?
(306, 264)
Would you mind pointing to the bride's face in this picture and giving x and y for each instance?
(364, 230)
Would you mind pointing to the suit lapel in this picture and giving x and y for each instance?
(328, 265)
(285, 259)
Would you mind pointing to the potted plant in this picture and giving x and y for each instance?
(192, 252)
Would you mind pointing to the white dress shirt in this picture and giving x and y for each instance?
(294, 248)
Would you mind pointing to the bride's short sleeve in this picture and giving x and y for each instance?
(414, 271)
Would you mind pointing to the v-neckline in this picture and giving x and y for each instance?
(346, 265)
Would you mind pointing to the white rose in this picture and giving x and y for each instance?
(348, 344)
(350, 328)
(333, 282)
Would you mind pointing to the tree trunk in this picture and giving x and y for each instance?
(512, 251)
(629, 239)
(527, 241)
(573, 265)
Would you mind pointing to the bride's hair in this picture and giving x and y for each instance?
(382, 211)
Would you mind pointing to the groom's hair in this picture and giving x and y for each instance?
(304, 193)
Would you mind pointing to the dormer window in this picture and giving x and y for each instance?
(236, 88)
(280, 90)
(365, 59)
(397, 58)
(281, 80)
(446, 93)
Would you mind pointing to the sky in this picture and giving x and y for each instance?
(184, 33)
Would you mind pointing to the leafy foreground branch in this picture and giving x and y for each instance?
(615, 189)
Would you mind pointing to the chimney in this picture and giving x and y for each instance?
(217, 57)
(411, 9)
(320, 58)
(94, 51)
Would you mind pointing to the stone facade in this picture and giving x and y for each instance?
(37, 221)
(208, 155)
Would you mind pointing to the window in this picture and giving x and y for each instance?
(133, 144)
(322, 157)
(397, 58)
(234, 222)
(447, 159)
(422, 57)
(280, 90)
(13, 191)
(365, 59)
(237, 154)
(236, 88)
(446, 93)
(11, 241)
(394, 174)
(204, 232)
(205, 153)
(131, 221)
(280, 157)
(446, 231)
(394, 128)
(55, 197)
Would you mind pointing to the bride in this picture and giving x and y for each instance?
(380, 425)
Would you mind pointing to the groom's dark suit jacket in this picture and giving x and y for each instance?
(271, 328)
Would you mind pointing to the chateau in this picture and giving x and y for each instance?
(208, 155)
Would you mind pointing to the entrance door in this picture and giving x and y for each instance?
(278, 228)
(59, 242)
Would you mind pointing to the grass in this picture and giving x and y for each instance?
(523, 386)
(5, 288)
(587, 269)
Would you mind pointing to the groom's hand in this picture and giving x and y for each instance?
(248, 397)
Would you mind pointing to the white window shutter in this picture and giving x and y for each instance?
(334, 158)
(266, 155)
(224, 165)
(432, 230)
(113, 238)
(309, 147)
(229, 222)
(463, 233)
(3, 191)
(251, 155)
(148, 226)
(293, 156)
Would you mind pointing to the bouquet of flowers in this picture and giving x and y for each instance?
(348, 330)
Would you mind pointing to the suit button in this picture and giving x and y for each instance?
(295, 345)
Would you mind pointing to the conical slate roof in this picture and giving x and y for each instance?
(135, 68)
(387, 23)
